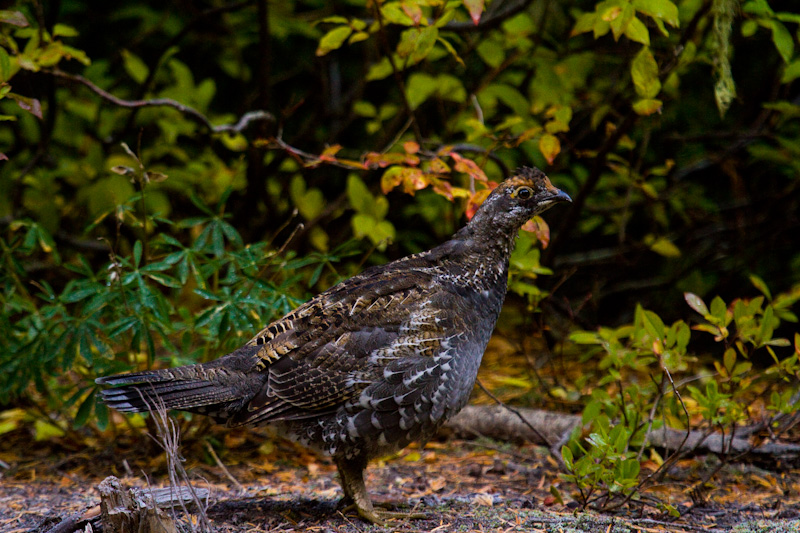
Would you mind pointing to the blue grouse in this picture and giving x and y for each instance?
(376, 362)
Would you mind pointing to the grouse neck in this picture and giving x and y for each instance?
(491, 240)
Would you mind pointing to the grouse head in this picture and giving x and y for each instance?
(517, 200)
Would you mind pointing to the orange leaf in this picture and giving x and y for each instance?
(329, 153)
(538, 227)
(550, 146)
(437, 166)
(391, 179)
(411, 147)
(443, 188)
(476, 200)
(377, 159)
(469, 167)
(413, 180)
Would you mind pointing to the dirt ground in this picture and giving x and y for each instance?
(458, 485)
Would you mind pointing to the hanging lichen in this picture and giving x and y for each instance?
(724, 88)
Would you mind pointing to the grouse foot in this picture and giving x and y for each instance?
(351, 474)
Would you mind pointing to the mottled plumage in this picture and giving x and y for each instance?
(376, 362)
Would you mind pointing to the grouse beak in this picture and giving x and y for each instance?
(555, 195)
(561, 196)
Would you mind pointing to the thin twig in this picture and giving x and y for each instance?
(192, 113)
(222, 466)
(516, 412)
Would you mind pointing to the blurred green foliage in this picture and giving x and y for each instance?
(173, 177)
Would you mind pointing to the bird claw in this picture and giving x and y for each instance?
(382, 517)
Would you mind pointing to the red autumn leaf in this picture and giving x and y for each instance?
(413, 10)
(469, 167)
(443, 188)
(475, 8)
(377, 159)
(31, 105)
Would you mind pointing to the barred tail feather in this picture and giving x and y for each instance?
(192, 388)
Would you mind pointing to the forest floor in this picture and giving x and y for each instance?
(458, 485)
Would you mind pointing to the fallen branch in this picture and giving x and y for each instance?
(499, 423)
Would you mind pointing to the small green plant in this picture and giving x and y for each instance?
(605, 465)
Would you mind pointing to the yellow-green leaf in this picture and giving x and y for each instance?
(783, 40)
(550, 147)
(637, 31)
(759, 284)
(333, 39)
(134, 66)
(660, 10)
(647, 106)
(644, 71)
(664, 247)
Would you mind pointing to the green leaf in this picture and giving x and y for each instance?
(652, 323)
(683, 336)
(585, 337)
(333, 40)
(379, 70)
(566, 454)
(137, 253)
(63, 30)
(309, 203)
(759, 284)
(719, 309)
(450, 88)
(584, 23)
(360, 198)
(491, 52)
(659, 10)
(664, 247)
(420, 87)
(790, 73)
(767, 325)
(783, 40)
(646, 107)
(637, 31)
(85, 409)
(644, 71)
(416, 43)
(620, 22)
(134, 66)
(5, 66)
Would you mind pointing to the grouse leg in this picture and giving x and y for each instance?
(351, 474)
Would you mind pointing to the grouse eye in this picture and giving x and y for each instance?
(523, 193)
